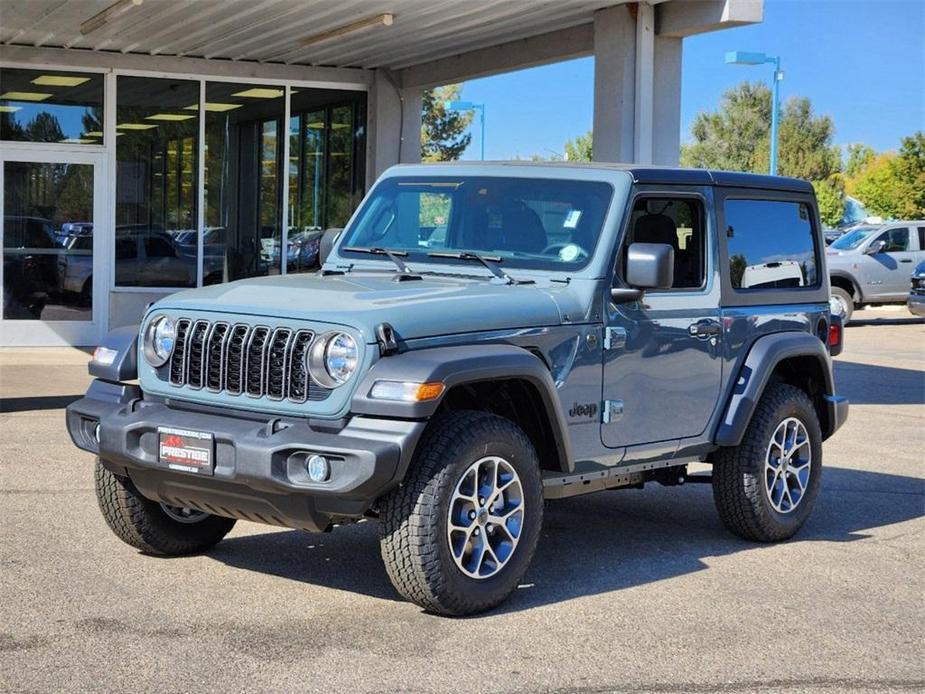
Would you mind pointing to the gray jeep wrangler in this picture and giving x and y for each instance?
(479, 339)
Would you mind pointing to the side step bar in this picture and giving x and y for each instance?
(594, 478)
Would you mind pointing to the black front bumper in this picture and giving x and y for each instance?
(254, 478)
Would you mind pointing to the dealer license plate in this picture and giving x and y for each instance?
(184, 450)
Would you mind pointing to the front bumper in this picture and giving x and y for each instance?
(253, 477)
(916, 304)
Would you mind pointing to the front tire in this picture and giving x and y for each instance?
(843, 304)
(765, 488)
(151, 527)
(459, 533)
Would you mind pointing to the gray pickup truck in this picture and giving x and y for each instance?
(482, 338)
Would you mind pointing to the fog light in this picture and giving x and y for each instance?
(318, 468)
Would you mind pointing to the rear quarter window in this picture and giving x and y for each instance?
(770, 244)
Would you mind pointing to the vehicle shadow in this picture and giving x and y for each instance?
(868, 384)
(45, 402)
(868, 322)
(595, 544)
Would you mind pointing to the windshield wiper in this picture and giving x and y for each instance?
(394, 256)
(488, 261)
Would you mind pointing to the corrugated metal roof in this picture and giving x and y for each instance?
(274, 30)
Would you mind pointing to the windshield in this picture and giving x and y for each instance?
(853, 239)
(524, 222)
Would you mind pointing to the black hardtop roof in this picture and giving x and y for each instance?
(661, 174)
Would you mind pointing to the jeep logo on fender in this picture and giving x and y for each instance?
(583, 410)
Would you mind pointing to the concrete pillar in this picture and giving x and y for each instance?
(394, 125)
(644, 77)
(666, 122)
(614, 83)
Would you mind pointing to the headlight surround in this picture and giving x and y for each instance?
(159, 339)
(333, 359)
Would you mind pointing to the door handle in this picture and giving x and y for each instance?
(905, 260)
(704, 328)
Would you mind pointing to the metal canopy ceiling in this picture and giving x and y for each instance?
(273, 30)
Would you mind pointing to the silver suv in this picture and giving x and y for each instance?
(872, 264)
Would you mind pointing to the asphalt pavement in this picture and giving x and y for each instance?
(632, 590)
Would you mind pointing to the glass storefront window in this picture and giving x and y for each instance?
(243, 179)
(47, 241)
(51, 106)
(326, 169)
(157, 128)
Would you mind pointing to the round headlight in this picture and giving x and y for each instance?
(159, 340)
(333, 359)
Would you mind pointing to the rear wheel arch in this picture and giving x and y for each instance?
(794, 358)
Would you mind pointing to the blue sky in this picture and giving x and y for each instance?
(860, 62)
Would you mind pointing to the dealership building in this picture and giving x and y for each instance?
(154, 145)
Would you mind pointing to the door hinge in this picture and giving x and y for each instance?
(612, 411)
(614, 338)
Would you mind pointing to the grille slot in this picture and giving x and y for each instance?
(241, 359)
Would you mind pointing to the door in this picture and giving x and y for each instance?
(53, 232)
(662, 356)
(886, 274)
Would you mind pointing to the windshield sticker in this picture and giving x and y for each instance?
(571, 219)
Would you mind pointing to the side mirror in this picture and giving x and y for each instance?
(648, 266)
(328, 239)
(875, 248)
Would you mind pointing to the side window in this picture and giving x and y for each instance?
(770, 244)
(897, 240)
(921, 238)
(678, 222)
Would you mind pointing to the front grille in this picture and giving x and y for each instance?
(235, 359)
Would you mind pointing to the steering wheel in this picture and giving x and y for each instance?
(557, 247)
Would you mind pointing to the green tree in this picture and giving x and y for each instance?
(737, 137)
(830, 194)
(893, 184)
(859, 156)
(443, 133)
(580, 148)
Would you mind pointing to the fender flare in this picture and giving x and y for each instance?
(753, 376)
(124, 366)
(454, 366)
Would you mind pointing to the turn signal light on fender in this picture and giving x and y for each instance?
(405, 391)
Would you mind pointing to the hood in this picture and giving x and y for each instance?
(415, 308)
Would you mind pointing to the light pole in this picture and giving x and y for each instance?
(747, 58)
(469, 106)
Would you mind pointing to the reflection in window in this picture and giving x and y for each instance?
(243, 230)
(770, 244)
(326, 169)
(51, 106)
(157, 123)
(47, 241)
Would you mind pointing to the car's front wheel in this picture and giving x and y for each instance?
(841, 304)
(459, 533)
(152, 527)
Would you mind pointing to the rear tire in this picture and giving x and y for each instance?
(845, 303)
(459, 533)
(150, 527)
(765, 488)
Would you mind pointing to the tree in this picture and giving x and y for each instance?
(893, 185)
(443, 133)
(580, 148)
(859, 156)
(737, 137)
(830, 194)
